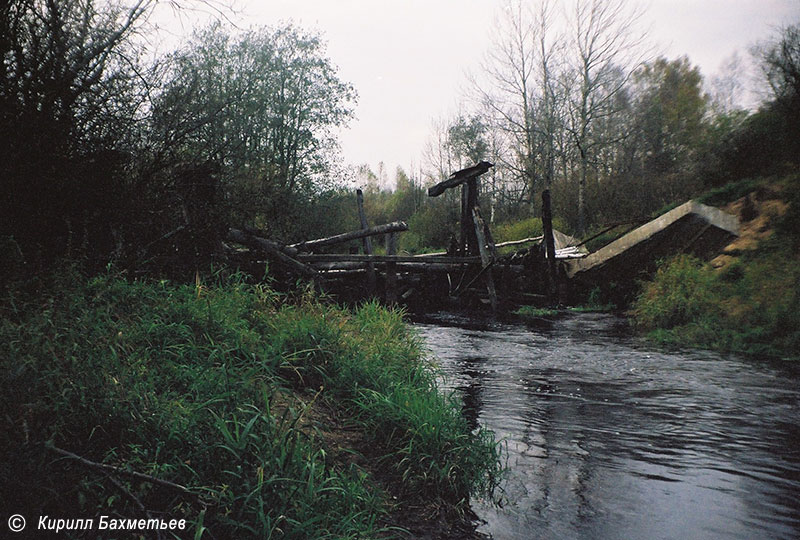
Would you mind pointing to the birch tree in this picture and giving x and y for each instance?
(606, 49)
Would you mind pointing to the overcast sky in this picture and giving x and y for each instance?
(408, 58)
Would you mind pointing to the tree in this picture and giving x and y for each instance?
(670, 109)
(262, 106)
(780, 60)
(70, 98)
(510, 69)
(606, 49)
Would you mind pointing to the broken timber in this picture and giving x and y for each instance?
(435, 279)
(311, 245)
(487, 256)
(273, 249)
(367, 242)
(459, 177)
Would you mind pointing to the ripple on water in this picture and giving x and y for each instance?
(608, 439)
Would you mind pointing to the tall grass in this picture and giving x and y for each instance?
(180, 383)
(751, 307)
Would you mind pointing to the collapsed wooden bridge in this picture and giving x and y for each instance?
(473, 272)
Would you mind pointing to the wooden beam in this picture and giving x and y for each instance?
(550, 244)
(310, 245)
(459, 177)
(391, 270)
(367, 242)
(415, 267)
(465, 222)
(519, 242)
(486, 257)
(353, 257)
(270, 248)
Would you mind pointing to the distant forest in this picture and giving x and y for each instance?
(112, 156)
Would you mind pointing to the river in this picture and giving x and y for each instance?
(610, 438)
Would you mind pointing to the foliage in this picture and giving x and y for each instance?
(261, 105)
(751, 306)
(69, 104)
(531, 312)
(671, 110)
(189, 384)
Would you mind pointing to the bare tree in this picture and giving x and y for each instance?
(509, 95)
(606, 49)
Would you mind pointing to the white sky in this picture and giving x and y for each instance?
(408, 59)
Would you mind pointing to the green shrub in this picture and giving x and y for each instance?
(752, 306)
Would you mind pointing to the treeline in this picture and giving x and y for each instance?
(571, 99)
(113, 156)
(109, 155)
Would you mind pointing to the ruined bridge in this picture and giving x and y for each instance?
(472, 271)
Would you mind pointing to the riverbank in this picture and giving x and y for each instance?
(247, 413)
(746, 300)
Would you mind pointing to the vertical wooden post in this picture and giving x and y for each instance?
(391, 270)
(367, 242)
(472, 202)
(550, 244)
(486, 257)
(466, 219)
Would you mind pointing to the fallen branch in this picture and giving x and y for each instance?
(120, 471)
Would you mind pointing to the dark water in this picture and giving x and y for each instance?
(609, 439)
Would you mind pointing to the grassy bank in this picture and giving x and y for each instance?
(747, 299)
(271, 418)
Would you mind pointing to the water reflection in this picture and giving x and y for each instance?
(608, 439)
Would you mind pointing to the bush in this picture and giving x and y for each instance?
(752, 306)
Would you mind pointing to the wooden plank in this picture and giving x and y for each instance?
(520, 242)
(391, 270)
(486, 258)
(472, 204)
(401, 267)
(354, 257)
(310, 245)
(465, 222)
(550, 243)
(367, 242)
(459, 177)
(269, 247)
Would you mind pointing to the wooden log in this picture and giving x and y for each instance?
(519, 242)
(310, 245)
(290, 251)
(354, 257)
(270, 248)
(472, 203)
(321, 267)
(550, 243)
(486, 258)
(391, 270)
(367, 242)
(465, 222)
(459, 177)
(401, 267)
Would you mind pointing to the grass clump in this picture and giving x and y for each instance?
(751, 307)
(185, 384)
(533, 312)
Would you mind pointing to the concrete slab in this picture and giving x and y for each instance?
(690, 228)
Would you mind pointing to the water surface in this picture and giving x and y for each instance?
(609, 438)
